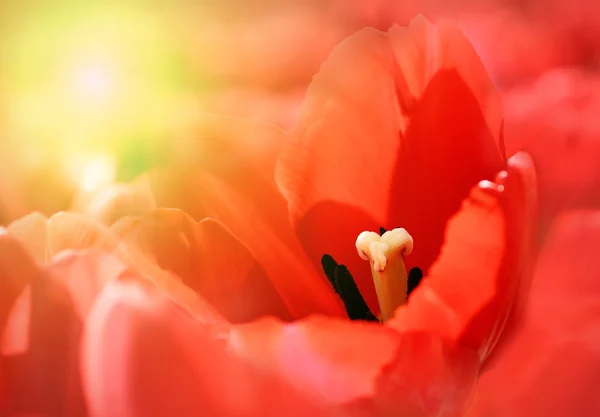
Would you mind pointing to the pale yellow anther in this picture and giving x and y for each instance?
(386, 256)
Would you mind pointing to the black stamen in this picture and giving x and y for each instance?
(414, 278)
(382, 231)
(329, 265)
(344, 285)
(356, 307)
(342, 282)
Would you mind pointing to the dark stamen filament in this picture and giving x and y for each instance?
(414, 278)
(344, 285)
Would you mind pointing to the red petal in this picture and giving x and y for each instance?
(362, 155)
(17, 270)
(230, 179)
(41, 370)
(143, 356)
(209, 260)
(363, 369)
(43, 377)
(552, 366)
(471, 289)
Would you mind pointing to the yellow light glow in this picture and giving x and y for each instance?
(94, 81)
(97, 172)
(87, 82)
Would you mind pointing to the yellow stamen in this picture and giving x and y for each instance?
(386, 253)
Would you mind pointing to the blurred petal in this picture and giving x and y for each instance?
(225, 172)
(143, 356)
(471, 289)
(72, 231)
(146, 357)
(32, 232)
(84, 274)
(43, 376)
(363, 369)
(17, 272)
(555, 351)
(555, 120)
(207, 259)
(362, 156)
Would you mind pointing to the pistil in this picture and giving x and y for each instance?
(385, 254)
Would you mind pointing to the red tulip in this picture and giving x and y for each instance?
(396, 98)
(395, 131)
(319, 365)
(154, 347)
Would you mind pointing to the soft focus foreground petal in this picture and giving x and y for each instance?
(207, 259)
(383, 142)
(17, 270)
(556, 121)
(362, 369)
(144, 356)
(46, 237)
(85, 273)
(224, 170)
(552, 366)
(74, 231)
(472, 288)
(43, 376)
(32, 232)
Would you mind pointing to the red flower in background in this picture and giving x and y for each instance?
(550, 366)
(555, 121)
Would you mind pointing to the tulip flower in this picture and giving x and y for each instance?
(400, 130)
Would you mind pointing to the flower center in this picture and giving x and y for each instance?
(385, 254)
(393, 285)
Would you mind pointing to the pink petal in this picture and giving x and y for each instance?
(144, 356)
(363, 369)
